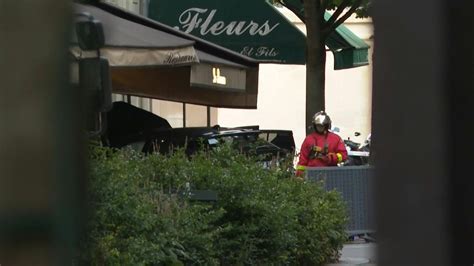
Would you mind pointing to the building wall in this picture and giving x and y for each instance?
(281, 96)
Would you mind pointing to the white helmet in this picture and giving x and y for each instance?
(321, 122)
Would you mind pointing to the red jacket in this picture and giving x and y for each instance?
(321, 150)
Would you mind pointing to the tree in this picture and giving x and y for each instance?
(311, 12)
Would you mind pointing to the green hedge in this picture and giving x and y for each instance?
(262, 216)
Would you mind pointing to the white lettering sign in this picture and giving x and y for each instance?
(200, 18)
(175, 58)
(266, 51)
(217, 78)
(261, 51)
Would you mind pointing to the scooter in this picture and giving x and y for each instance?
(357, 153)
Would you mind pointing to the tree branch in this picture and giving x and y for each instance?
(330, 28)
(336, 13)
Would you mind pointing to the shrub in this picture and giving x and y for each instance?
(135, 220)
(261, 216)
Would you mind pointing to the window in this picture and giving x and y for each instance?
(196, 115)
(171, 111)
(140, 102)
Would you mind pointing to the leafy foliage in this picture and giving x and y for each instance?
(261, 216)
(362, 7)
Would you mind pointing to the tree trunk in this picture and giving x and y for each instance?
(315, 60)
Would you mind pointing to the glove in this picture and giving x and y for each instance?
(315, 152)
(330, 159)
(317, 149)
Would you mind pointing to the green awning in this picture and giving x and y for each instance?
(260, 32)
(348, 49)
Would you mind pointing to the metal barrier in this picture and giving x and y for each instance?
(355, 183)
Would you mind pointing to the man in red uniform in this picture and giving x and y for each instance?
(322, 147)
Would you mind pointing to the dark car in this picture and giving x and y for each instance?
(265, 143)
(128, 124)
(144, 131)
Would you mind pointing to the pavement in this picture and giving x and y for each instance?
(357, 254)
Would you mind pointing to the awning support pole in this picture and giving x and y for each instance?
(184, 115)
(208, 116)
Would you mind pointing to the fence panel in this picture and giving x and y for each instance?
(355, 183)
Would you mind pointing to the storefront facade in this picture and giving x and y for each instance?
(281, 101)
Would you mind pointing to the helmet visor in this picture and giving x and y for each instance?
(320, 128)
